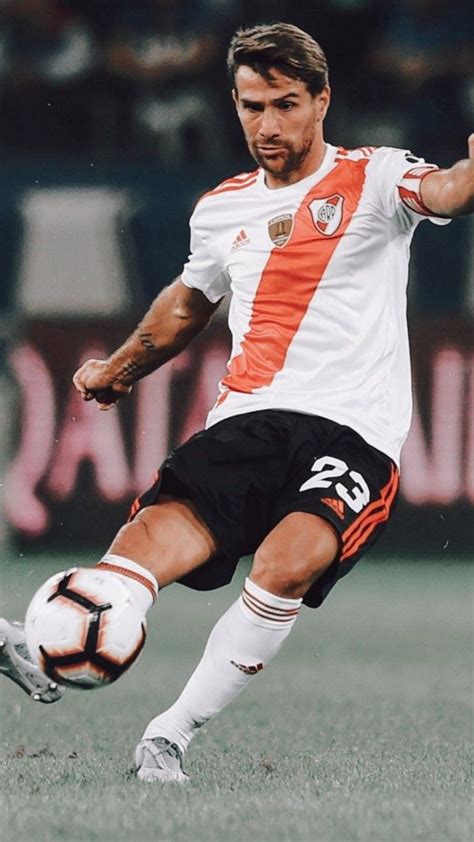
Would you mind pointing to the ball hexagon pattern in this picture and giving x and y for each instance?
(82, 628)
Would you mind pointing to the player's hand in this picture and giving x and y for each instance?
(94, 381)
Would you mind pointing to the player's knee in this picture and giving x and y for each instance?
(147, 520)
(281, 575)
(142, 529)
(290, 569)
(139, 536)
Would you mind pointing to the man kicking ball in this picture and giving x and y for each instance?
(298, 464)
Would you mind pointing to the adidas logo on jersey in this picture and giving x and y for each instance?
(240, 240)
(336, 505)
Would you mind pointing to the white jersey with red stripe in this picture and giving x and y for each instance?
(318, 273)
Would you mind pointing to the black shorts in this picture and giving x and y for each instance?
(247, 472)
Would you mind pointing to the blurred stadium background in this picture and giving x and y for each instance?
(116, 115)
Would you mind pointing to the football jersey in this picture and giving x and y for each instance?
(317, 272)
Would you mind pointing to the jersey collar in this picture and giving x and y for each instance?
(304, 184)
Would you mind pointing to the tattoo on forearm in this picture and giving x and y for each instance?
(129, 371)
(147, 341)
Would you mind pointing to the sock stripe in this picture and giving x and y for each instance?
(261, 604)
(132, 574)
(266, 609)
(282, 620)
(261, 609)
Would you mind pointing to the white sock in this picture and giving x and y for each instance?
(241, 643)
(140, 582)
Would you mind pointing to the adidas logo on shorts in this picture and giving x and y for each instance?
(336, 505)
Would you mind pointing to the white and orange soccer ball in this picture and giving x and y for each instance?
(82, 628)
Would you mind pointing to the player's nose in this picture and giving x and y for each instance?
(269, 126)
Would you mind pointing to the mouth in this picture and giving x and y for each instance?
(271, 150)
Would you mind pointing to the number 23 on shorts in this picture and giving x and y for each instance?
(349, 485)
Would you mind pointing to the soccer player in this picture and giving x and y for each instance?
(298, 463)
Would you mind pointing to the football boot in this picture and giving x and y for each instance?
(158, 759)
(16, 664)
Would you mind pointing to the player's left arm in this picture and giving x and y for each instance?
(173, 320)
(451, 192)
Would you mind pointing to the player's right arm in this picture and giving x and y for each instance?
(450, 192)
(175, 317)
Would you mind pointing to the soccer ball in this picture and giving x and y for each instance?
(82, 629)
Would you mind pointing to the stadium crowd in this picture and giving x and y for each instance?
(139, 78)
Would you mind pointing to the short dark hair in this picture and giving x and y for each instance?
(283, 46)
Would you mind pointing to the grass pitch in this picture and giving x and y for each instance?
(359, 731)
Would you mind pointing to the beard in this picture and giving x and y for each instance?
(285, 162)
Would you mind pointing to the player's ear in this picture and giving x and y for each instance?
(235, 97)
(324, 98)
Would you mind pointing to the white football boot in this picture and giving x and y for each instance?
(159, 759)
(16, 664)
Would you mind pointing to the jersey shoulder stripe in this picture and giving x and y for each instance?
(359, 154)
(237, 182)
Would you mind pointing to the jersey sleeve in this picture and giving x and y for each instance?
(203, 269)
(399, 175)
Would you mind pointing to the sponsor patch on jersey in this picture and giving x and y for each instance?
(280, 229)
(327, 213)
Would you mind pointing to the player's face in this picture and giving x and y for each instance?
(282, 123)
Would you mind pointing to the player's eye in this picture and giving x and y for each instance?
(286, 106)
(253, 107)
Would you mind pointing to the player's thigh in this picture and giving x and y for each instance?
(294, 554)
(168, 537)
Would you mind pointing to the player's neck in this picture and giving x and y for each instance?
(309, 166)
